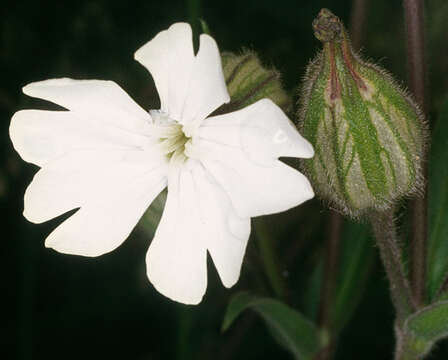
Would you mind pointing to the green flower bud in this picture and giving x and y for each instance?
(368, 134)
(248, 81)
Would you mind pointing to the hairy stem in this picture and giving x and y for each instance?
(385, 234)
(327, 352)
(413, 11)
(358, 22)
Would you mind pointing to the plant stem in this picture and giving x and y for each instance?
(357, 22)
(413, 10)
(385, 233)
(327, 352)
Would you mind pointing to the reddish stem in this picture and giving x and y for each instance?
(358, 21)
(413, 10)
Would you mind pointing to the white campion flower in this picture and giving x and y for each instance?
(110, 158)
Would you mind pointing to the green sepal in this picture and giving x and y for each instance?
(368, 135)
(248, 81)
(289, 327)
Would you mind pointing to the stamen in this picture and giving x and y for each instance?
(172, 144)
(170, 135)
(165, 131)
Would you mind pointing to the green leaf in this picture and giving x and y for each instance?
(430, 323)
(149, 221)
(438, 205)
(204, 27)
(312, 294)
(268, 257)
(289, 327)
(424, 328)
(355, 261)
(356, 255)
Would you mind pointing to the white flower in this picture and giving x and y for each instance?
(110, 158)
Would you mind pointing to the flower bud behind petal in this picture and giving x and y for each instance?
(249, 81)
(369, 136)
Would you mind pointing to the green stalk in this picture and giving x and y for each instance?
(385, 233)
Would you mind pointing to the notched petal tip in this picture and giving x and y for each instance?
(169, 57)
(179, 299)
(21, 122)
(228, 283)
(31, 88)
(14, 130)
(63, 248)
(208, 42)
(307, 149)
(170, 292)
(310, 194)
(176, 30)
(286, 138)
(180, 26)
(32, 217)
(307, 192)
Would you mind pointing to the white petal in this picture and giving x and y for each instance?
(177, 257)
(113, 189)
(169, 57)
(95, 100)
(198, 215)
(261, 130)
(254, 189)
(226, 233)
(190, 87)
(40, 136)
(207, 89)
(82, 177)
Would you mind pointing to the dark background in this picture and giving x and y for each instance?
(56, 306)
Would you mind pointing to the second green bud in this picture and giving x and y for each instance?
(368, 135)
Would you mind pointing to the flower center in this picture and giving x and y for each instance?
(170, 135)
